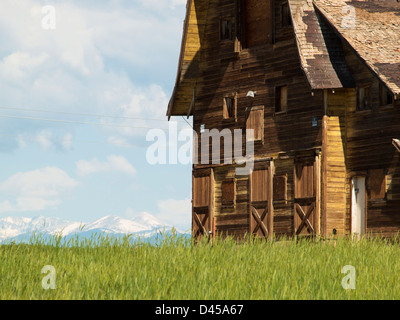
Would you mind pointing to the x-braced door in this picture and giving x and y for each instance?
(306, 196)
(203, 203)
(260, 200)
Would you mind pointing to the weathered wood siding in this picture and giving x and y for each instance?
(283, 209)
(353, 142)
(369, 135)
(231, 220)
(189, 60)
(225, 71)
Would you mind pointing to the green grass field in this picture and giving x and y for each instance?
(177, 269)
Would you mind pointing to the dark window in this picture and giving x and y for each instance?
(285, 15)
(229, 192)
(229, 107)
(281, 99)
(363, 98)
(226, 29)
(385, 97)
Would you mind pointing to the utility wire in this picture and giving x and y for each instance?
(82, 114)
(78, 122)
(187, 122)
(126, 145)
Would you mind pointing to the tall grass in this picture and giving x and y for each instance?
(176, 268)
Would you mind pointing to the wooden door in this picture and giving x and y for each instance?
(260, 202)
(203, 203)
(306, 197)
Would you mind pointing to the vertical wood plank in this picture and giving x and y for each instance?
(324, 170)
(251, 223)
(211, 201)
(317, 178)
(271, 200)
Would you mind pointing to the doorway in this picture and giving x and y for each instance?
(358, 221)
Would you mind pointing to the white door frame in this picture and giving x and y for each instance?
(358, 206)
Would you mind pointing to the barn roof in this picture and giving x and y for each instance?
(319, 26)
(374, 34)
(320, 49)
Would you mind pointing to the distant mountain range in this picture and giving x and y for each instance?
(144, 226)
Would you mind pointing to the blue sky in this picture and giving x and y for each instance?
(114, 59)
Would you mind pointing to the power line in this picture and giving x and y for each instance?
(187, 122)
(78, 122)
(83, 114)
(126, 145)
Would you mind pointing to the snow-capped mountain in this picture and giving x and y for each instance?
(144, 225)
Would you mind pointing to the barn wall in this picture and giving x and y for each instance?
(231, 220)
(283, 210)
(234, 220)
(357, 141)
(369, 135)
(227, 71)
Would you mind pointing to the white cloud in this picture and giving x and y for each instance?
(44, 139)
(113, 163)
(19, 64)
(174, 212)
(36, 190)
(100, 59)
(67, 142)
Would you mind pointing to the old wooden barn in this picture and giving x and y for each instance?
(319, 83)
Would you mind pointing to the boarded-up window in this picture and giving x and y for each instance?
(226, 29)
(255, 122)
(229, 107)
(363, 98)
(377, 184)
(280, 188)
(228, 192)
(281, 99)
(201, 191)
(259, 185)
(304, 184)
(257, 23)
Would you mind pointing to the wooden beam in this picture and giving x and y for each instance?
(317, 177)
(192, 105)
(260, 222)
(264, 214)
(271, 200)
(199, 223)
(250, 204)
(324, 171)
(304, 218)
(211, 202)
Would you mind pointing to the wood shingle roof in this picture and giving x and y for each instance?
(374, 33)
